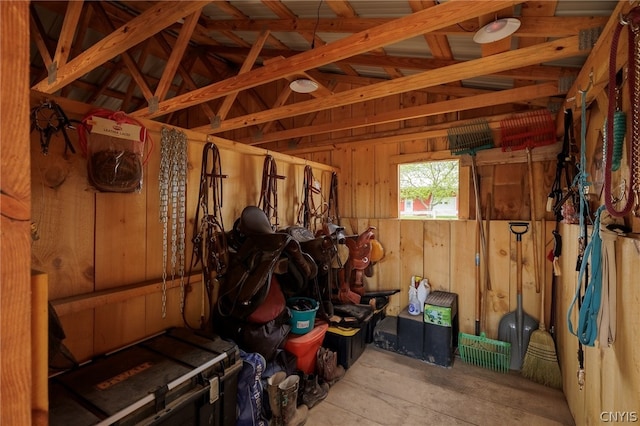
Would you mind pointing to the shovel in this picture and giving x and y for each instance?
(516, 326)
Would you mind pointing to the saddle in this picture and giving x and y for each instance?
(262, 253)
(359, 260)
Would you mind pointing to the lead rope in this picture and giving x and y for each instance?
(172, 191)
(632, 20)
(580, 182)
(587, 330)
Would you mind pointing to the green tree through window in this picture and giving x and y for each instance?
(430, 187)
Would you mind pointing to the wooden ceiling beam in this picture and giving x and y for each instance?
(127, 58)
(533, 72)
(190, 84)
(461, 104)
(177, 53)
(550, 51)
(69, 26)
(247, 65)
(551, 26)
(38, 34)
(594, 75)
(136, 31)
(400, 29)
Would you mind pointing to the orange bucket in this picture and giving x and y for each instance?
(305, 346)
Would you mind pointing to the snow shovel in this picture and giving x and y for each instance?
(516, 326)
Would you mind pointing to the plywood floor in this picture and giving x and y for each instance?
(386, 388)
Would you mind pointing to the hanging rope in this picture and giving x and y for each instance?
(587, 329)
(632, 21)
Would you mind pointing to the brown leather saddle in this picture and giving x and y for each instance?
(261, 253)
(357, 264)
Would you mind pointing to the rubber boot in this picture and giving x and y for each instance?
(313, 392)
(292, 415)
(274, 402)
(331, 370)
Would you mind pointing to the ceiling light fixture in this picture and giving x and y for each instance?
(303, 85)
(496, 30)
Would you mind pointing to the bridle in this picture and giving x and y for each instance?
(269, 191)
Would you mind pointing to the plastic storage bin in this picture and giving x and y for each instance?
(440, 328)
(348, 343)
(174, 378)
(305, 347)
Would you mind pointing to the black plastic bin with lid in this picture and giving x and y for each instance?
(440, 328)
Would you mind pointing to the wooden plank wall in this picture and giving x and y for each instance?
(103, 251)
(444, 252)
(15, 204)
(612, 374)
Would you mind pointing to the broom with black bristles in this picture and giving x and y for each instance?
(540, 362)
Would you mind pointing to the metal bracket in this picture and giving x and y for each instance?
(52, 70)
(214, 389)
(153, 104)
(215, 122)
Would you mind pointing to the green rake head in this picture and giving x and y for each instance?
(470, 138)
(487, 353)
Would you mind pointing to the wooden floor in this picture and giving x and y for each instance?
(386, 388)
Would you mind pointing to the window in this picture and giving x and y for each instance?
(429, 190)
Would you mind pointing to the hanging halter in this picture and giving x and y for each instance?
(632, 21)
(269, 191)
(48, 118)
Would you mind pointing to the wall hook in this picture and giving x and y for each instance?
(584, 92)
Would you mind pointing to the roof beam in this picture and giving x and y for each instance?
(248, 63)
(69, 26)
(431, 109)
(549, 51)
(400, 29)
(594, 75)
(551, 26)
(136, 31)
(532, 72)
(176, 55)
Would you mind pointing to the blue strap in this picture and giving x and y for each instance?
(588, 313)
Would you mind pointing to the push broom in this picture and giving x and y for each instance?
(526, 131)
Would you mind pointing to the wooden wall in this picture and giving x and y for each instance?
(16, 386)
(103, 251)
(444, 250)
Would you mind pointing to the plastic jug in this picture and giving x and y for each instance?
(414, 302)
(423, 292)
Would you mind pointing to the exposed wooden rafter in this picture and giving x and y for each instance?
(224, 68)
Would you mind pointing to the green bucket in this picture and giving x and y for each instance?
(303, 314)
